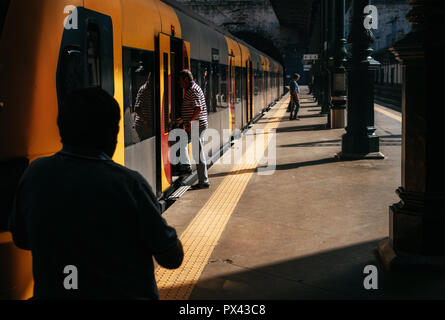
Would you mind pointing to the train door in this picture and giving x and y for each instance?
(263, 91)
(251, 90)
(245, 94)
(179, 60)
(140, 112)
(277, 87)
(232, 91)
(164, 167)
(86, 55)
(215, 86)
(173, 56)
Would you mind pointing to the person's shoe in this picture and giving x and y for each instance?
(198, 186)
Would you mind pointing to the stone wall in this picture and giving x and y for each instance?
(255, 22)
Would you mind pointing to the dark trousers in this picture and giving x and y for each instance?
(295, 107)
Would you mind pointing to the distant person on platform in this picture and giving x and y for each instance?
(92, 225)
(295, 101)
(194, 108)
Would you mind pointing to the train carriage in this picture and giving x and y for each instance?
(48, 48)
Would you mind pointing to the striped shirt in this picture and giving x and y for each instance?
(194, 98)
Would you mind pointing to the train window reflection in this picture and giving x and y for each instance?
(93, 55)
(71, 75)
(238, 85)
(138, 95)
(204, 75)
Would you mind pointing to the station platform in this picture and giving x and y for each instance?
(304, 229)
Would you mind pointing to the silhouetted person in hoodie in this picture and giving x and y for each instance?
(92, 225)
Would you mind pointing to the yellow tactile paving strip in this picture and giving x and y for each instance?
(204, 231)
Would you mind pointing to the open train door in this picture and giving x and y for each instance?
(251, 90)
(164, 167)
(247, 84)
(173, 56)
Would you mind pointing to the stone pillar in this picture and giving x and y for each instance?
(338, 104)
(417, 222)
(360, 140)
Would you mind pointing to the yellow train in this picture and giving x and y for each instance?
(49, 47)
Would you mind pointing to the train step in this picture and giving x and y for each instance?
(178, 193)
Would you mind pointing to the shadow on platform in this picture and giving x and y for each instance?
(318, 115)
(287, 166)
(336, 274)
(325, 143)
(312, 127)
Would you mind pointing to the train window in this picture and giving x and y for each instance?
(86, 56)
(71, 70)
(4, 5)
(271, 80)
(139, 104)
(244, 84)
(195, 71)
(222, 100)
(204, 76)
(93, 55)
(257, 82)
(214, 86)
(238, 84)
(266, 83)
(201, 73)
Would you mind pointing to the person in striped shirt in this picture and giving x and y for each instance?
(194, 109)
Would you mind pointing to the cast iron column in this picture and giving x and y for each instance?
(330, 54)
(417, 222)
(317, 81)
(324, 58)
(360, 140)
(318, 77)
(338, 108)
